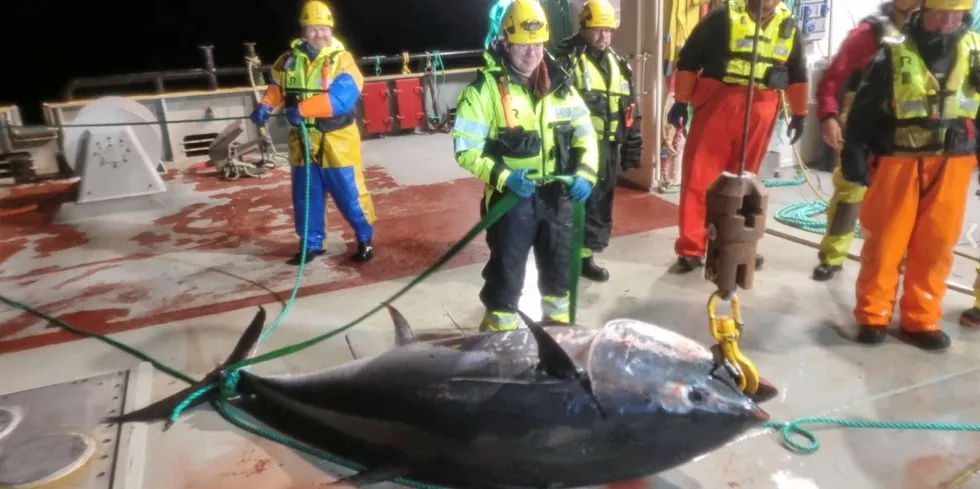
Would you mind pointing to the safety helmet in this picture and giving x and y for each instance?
(597, 13)
(315, 12)
(948, 4)
(525, 23)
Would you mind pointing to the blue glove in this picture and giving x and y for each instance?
(293, 116)
(518, 183)
(580, 189)
(261, 114)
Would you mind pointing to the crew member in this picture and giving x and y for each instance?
(844, 75)
(319, 83)
(916, 114)
(520, 120)
(720, 47)
(604, 80)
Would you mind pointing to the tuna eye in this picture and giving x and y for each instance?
(697, 395)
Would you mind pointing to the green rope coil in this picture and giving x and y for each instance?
(790, 428)
(800, 215)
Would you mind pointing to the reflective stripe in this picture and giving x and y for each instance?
(583, 130)
(466, 143)
(471, 127)
(499, 321)
(552, 306)
(579, 112)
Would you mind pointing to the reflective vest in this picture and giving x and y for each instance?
(302, 77)
(775, 43)
(885, 32)
(602, 99)
(925, 109)
(552, 134)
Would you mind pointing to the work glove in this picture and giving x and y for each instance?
(632, 151)
(261, 114)
(795, 129)
(854, 164)
(292, 110)
(518, 183)
(580, 189)
(677, 115)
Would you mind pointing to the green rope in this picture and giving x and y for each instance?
(800, 215)
(793, 427)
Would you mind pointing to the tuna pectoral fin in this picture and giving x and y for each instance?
(162, 409)
(554, 361)
(382, 473)
(403, 332)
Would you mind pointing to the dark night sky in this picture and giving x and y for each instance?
(116, 36)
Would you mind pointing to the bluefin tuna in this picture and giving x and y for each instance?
(547, 406)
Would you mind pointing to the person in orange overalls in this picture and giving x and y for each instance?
(916, 113)
(720, 47)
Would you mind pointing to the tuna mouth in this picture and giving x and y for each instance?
(759, 414)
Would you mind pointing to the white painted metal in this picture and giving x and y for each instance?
(113, 164)
(113, 110)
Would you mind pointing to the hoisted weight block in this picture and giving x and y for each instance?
(113, 164)
(736, 221)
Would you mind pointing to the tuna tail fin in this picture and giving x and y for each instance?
(164, 408)
(554, 360)
(403, 332)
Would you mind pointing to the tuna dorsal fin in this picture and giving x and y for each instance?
(553, 359)
(403, 332)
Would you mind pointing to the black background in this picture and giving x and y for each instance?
(47, 43)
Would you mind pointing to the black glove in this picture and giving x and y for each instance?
(632, 149)
(795, 129)
(292, 100)
(854, 164)
(677, 115)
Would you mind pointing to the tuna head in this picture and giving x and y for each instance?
(663, 393)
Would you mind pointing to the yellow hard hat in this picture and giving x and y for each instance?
(525, 23)
(948, 4)
(598, 13)
(315, 12)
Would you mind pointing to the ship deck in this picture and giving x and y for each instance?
(180, 276)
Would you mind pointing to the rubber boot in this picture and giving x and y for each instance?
(310, 256)
(825, 271)
(364, 252)
(926, 340)
(871, 335)
(687, 263)
(592, 271)
(970, 318)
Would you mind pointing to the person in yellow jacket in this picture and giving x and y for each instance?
(916, 114)
(319, 83)
(520, 120)
(604, 80)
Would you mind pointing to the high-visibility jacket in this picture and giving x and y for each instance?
(552, 134)
(885, 32)
(302, 77)
(606, 101)
(775, 43)
(926, 110)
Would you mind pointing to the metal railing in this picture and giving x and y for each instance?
(210, 73)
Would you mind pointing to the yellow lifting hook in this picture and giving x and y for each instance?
(726, 331)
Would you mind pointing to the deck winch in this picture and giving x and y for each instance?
(115, 149)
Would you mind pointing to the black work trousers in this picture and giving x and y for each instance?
(599, 207)
(542, 222)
